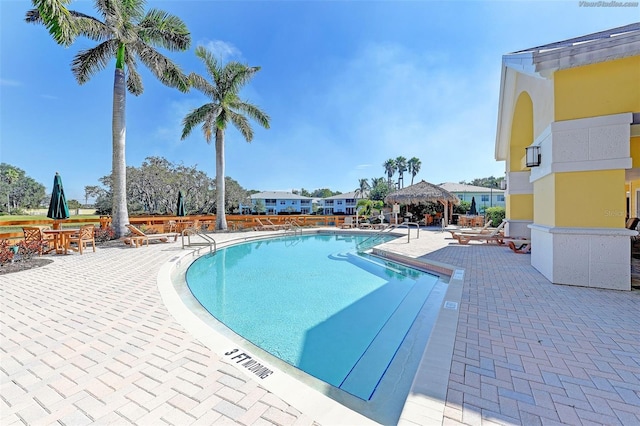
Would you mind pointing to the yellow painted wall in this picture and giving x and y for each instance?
(544, 204)
(521, 131)
(590, 199)
(599, 89)
(632, 187)
(635, 151)
(519, 206)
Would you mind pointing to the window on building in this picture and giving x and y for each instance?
(485, 198)
(501, 198)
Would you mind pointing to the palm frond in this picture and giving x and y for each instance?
(241, 123)
(210, 62)
(88, 62)
(240, 75)
(162, 29)
(200, 83)
(56, 18)
(162, 67)
(134, 81)
(254, 112)
(205, 114)
(90, 27)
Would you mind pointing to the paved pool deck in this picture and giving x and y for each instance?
(89, 340)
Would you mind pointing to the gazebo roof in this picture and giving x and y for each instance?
(421, 192)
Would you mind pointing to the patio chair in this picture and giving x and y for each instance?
(34, 234)
(348, 222)
(84, 236)
(138, 237)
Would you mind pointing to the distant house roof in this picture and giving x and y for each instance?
(280, 195)
(461, 187)
(347, 196)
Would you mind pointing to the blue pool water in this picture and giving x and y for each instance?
(314, 302)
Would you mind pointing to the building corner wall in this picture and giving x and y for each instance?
(587, 257)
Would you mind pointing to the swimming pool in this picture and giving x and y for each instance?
(316, 303)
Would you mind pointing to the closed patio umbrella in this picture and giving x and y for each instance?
(58, 209)
(180, 206)
(473, 211)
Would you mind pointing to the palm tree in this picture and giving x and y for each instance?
(401, 167)
(127, 34)
(363, 188)
(225, 107)
(390, 169)
(413, 166)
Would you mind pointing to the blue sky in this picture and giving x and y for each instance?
(347, 84)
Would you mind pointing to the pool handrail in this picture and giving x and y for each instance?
(390, 228)
(208, 240)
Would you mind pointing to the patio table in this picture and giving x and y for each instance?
(61, 238)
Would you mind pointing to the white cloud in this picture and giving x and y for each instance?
(222, 50)
(10, 83)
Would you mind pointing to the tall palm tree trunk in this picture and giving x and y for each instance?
(120, 213)
(221, 218)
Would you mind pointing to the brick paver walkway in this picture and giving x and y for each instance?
(530, 352)
(87, 340)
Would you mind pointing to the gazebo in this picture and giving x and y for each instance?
(424, 192)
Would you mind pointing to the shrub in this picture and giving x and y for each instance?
(6, 252)
(27, 249)
(104, 234)
(495, 215)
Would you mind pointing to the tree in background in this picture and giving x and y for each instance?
(91, 191)
(225, 106)
(363, 188)
(413, 166)
(379, 189)
(9, 176)
(487, 182)
(401, 167)
(390, 169)
(21, 190)
(127, 34)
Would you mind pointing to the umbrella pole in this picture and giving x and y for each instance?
(57, 224)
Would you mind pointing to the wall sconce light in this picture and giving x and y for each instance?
(533, 156)
(503, 184)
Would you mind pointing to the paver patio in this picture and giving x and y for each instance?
(87, 340)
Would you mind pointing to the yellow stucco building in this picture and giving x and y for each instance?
(574, 108)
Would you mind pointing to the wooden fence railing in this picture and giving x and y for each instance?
(161, 223)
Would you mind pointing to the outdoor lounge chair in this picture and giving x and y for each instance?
(138, 237)
(519, 245)
(484, 230)
(495, 236)
(276, 226)
(84, 236)
(483, 234)
(264, 227)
